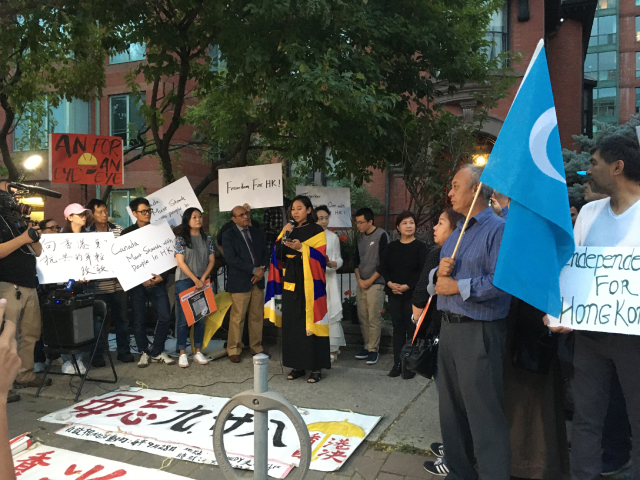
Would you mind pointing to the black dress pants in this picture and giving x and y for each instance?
(403, 328)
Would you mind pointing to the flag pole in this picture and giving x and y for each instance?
(464, 227)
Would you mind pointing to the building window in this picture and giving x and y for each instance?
(637, 29)
(637, 97)
(637, 64)
(136, 52)
(604, 102)
(118, 203)
(601, 66)
(604, 31)
(605, 4)
(637, 3)
(497, 33)
(32, 130)
(125, 118)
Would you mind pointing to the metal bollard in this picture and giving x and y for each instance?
(261, 400)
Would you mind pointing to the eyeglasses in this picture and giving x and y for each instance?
(53, 227)
(245, 214)
(362, 223)
(144, 212)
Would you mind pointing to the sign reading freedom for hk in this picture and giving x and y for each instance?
(600, 289)
(85, 159)
(338, 200)
(260, 186)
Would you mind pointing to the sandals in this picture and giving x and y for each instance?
(293, 374)
(315, 377)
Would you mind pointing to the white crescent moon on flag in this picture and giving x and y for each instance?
(538, 143)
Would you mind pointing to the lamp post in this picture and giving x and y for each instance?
(33, 162)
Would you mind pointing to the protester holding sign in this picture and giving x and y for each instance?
(195, 257)
(156, 291)
(334, 299)
(613, 221)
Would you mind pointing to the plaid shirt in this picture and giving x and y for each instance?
(273, 220)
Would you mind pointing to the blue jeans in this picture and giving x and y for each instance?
(158, 297)
(183, 328)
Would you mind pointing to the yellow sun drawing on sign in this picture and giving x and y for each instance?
(87, 159)
(343, 428)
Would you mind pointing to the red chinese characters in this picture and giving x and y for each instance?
(39, 459)
(101, 405)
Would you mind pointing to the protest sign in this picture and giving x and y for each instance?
(179, 425)
(43, 462)
(197, 304)
(260, 186)
(138, 255)
(85, 159)
(75, 256)
(337, 199)
(600, 288)
(169, 203)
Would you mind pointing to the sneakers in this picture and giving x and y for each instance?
(396, 370)
(437, 449)
(32, 383)
(200, 358)
(39, 367)
(163, 358)
(12, 397)
(183, 361)
(69, 369)
(363, 355)
(610, 471)
(125, 357)
(438, 468)
(372, 358)
(144, 361)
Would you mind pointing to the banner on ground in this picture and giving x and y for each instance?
(85, 159)
(180, 425)
(75, 256)
(51, 463)
(196, 305)
(138, 255)
(260, 186)
(337, 199)
(600, 289)
(169, 203)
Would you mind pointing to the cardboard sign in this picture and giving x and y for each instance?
(600, 289)
(75, 256)
(197, 304)
(260, 186)
(85, 159)
(337, 199)
(138, 255)
(169, 203)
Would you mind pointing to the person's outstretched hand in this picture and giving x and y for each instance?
(9, 360)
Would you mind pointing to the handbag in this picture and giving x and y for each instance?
(420, 355)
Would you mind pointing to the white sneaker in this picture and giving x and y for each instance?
(163, 358)
(69, 369)
(38, 367)
(183, 361)
(144, 361)
(200, 358)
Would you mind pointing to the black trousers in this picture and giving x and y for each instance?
(470, 384)
(403, 328)
(597, 358)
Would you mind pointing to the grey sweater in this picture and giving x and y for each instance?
(368, 253)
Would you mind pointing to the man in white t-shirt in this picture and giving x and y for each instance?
(610, 222)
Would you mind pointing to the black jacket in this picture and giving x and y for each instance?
(238, 257)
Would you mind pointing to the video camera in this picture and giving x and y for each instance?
(17, 214)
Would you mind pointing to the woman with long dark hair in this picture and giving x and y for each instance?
(75, 216)
(297, 276)
(195, 258)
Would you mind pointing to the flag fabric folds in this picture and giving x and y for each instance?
(314, 263)
(526, 165)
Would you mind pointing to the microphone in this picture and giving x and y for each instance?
(285, 237)
(35, 189)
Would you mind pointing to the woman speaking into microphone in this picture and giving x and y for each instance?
(297, 278)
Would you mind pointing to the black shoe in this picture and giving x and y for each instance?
(12, 397)
(407, 374)
(438, 468)
(98, 361)
(32, 384)
(126, 357)
(396, 370)
(437, 449)
(363, 355)
(610, 470)
(372, 358)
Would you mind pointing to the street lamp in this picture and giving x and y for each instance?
(33, 162)
(480, 160)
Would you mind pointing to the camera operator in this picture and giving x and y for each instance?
(19, 247)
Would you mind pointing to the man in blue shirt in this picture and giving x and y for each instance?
(472, 339)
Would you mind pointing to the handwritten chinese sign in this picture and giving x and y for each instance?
(85, 159)
(600, 288)
(75, 256)
(338, 200)
(51, 463)
(260, 186)
(180, 425)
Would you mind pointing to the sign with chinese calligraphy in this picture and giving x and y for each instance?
(260, 186)
(338, 200)
(197, 304)
(600, 289)
(180, 425)
(169, 203)
(51, 463)
(85, 159)
(75, 256)
(138, 255)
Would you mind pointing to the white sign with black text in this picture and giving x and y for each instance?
(260, 186)
(337, 199)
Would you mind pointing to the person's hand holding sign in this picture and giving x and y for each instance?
(155, 280)
(558, 329)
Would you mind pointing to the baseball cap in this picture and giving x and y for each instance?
(74, 209)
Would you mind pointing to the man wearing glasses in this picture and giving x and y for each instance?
(49, 226)
(156, 291)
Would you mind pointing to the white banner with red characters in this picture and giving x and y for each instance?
(180, 425)
(51, 463)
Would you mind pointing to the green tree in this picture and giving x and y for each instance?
(47, 53)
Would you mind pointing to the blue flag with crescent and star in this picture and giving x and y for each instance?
(526, 165)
